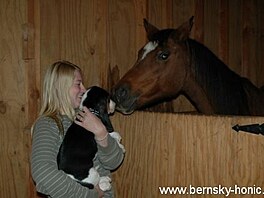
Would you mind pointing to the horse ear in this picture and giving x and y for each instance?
(150, 29)
(183, 32)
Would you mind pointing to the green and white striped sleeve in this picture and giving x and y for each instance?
(49, 180)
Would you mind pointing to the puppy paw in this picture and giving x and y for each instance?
(105, 183)
(93, 177)
(118, 138)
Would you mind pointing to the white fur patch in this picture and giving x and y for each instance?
(105, 183)
(150, 46)
(111, 108)
(83, 98)
(93, 177)
(118, 138)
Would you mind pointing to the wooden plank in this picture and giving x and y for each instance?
(181, 150)
(235, 36)
(182, 11)
(78, 36)
(31, 53)
(223, 31)
(132, 35)
(260, 43)
(50, 47)
(198, 28)
(250, 42)
(14, 150)
(246, 7)
(32, 78)
(211, 27)
(161, 13)
(125, 33)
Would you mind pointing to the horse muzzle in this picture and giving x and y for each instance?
(125, 99)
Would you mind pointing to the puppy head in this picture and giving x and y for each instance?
(97, 100)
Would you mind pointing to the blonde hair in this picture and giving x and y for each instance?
(56, 92)
(57, 82)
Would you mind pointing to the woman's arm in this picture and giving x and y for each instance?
(110, 156)
(109, 153)
(49, 180)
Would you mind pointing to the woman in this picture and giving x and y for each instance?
(62, 92)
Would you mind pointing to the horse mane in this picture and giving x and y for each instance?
(220, 83)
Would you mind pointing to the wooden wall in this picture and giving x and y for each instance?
(178, 150)
(100, 35)
(14, 136)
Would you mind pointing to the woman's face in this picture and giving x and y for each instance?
(77, 89)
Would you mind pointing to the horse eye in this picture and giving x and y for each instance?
(163, 55)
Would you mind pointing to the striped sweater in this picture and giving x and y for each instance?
(55, 183)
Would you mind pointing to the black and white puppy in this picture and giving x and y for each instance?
(79, 147)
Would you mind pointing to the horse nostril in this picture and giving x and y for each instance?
(120, 94)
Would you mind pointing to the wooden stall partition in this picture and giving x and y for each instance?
(181, 150)
(16, 51)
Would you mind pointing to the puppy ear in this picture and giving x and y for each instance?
(106, 121)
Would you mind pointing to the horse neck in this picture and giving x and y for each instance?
(193, 86)
(212, 83)
(198, 96)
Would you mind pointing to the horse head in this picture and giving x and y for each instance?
(160, 69)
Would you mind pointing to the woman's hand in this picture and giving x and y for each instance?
(92, 123)
(100, 192)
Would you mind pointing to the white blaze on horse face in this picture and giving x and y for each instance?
(150, 46)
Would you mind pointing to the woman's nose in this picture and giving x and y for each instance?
(83, 88)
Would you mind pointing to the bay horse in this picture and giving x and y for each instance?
(171, 63)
